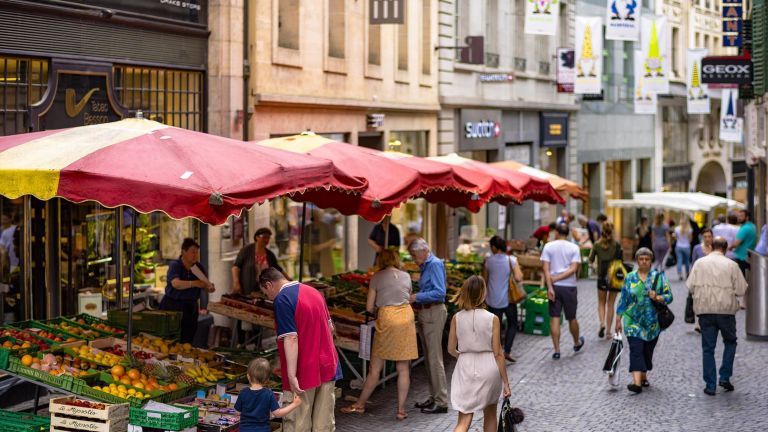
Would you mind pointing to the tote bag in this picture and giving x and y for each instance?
(516, 293)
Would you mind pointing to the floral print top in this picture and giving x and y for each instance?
(635, 306)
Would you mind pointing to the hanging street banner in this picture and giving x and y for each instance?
(565, 71)
(730, 124)
(645, 100)
(589, 55)
(622, 20)
(697, 92)
(541, 17)
(657, 49)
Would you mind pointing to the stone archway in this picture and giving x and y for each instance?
(712, 180)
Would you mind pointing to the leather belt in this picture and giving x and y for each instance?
(421, 306)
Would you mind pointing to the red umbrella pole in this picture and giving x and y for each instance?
(302, 239)
(131, 273)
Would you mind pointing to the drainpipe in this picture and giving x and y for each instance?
(246, 69)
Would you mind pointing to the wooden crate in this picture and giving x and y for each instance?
(59, 421)
(111, 411)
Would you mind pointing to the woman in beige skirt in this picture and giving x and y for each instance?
(395, 337)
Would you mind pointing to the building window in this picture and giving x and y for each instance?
(675, 133)
(676, 52)
(172, 97)
(520, 51)
(426, 37)
(288, 24)
(374, 44)
(562, 29)
(706, 41)
(23, 82)
(402, 46)
(336, 28)
(716, 45)
(492, 33)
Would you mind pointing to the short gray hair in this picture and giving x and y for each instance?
(643, 251)
(418, 245)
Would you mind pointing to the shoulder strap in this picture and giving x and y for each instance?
(655, 281)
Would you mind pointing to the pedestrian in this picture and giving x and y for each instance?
(395, 339)
(700, 251)
(564, 218)
(695, 234)
(258, 404)
(683, 234)
(429, 305)
(728, 231)
(384, 235)
(661, 240)
(762, 243)
(605, 251)
(640, 321)
(498, 269)
(746, 239)
(309, 363)
(183, 288)
(480, 374)
(715, 283)
(542, 234)
(643, 234)
(561, 260)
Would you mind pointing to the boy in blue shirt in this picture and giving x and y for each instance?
(256, 403)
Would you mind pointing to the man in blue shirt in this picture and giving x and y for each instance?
(184, 289)
(429, 303)
(746, 239)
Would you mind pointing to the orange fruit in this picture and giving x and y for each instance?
(134, 374)
(125, 380)
(7, 344)
(173, 386)
(26, 360)
(138, 385)
(118, 370)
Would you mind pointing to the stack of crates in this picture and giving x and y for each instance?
(106, 418)
(536, 311)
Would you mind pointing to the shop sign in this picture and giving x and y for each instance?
(189, 11)
(77, 98)
(554, 129)
(677, 173)
(731, 126)
(374, 121)
(730, 11)
(726, 70)
(622, 20)
(480, 130)
(566, 72)
(386, 12)
(697, 92)
(541, 17)
(657, 48)
(498, 77)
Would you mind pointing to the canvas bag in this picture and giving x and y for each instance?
(516, 293)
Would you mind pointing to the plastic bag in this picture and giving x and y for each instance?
(613, 361)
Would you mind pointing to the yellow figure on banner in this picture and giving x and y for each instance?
(696, 85)
(587, 59)
(654, 61)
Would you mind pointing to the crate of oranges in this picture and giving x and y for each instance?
(11, 346)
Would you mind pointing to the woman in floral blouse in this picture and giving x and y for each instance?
(641, 325)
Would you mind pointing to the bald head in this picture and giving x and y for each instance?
(720, 244)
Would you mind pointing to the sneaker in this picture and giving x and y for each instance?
(577, 348)
(710, 392)
(727, 386)
(556, 356)
(509, 358)
(634, 388)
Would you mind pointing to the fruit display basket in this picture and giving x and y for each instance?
(10, 346)
(44, 332)
(63, 382)
(167, 421)
(74, 329)
(72, 406)
(23, 422)
(98, 324)
(84, 387)
(159, 323)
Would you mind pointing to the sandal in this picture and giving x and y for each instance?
(352, 409)
(601, 333)
(556, 356)
(401, 415)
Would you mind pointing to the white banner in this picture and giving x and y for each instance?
(657, 49)
(541, 17)
(731, 125)
(645, 100)
(565, 70)
(622, 20)
(589, 55)
(698, 92)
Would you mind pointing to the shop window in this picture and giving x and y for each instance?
(172, 97)
(402, 46)
(675, 133)
(426, 37)
(374, 44)
(288, 24)
(336, 28)
(23, 81)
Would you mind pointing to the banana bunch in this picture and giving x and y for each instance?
(203, 374)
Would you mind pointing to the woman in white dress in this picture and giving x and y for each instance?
(480, 372)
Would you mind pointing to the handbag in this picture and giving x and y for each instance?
(515, 293)
(612, 366)
(690, 315)
(663, 313)
(509, 417)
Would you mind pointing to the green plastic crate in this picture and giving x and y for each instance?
(159, 323)
(164, 420)
(63, 382)
(30, 324)
(6, 353)
(91, 320)
(537, 317)
(96, 334)
(82, 387)
(23, 422)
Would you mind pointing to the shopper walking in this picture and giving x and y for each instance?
(661, 240)
(395, 339)
(640, 321)
(431, 313)
(727, 229)
(561, 260)
(480, 373)
(704, 248)
(498, 269)
(308, 360)
(643, 234)
(604, 252)
(683, 234)
(746, 239)
(715, 283)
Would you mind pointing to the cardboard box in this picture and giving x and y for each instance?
(110, 411)
(90, 303)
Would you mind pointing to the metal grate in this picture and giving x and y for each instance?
(543, 68)
(520, 64)
(23, 82)
(172, 97)
(491, 60)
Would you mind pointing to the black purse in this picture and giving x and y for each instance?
(663, 313)
(690, 315)
(509, 417)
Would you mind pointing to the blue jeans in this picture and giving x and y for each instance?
(511, 313)
(710, 324)
(683, 258)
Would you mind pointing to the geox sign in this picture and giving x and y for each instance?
(726, 70)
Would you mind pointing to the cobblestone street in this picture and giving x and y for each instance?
(573, 394)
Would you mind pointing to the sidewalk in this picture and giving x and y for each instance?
(573, 394)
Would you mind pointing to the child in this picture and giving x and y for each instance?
(256, 402)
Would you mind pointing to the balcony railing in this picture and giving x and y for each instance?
(543, 68)
(491, 60)
(520, 64)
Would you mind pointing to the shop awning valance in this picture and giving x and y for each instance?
(677, 201)
(564, 186)
(153, 167)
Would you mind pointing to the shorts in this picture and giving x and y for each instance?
(602, 285)
(565, 298)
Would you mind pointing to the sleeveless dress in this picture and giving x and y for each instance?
(476, 382)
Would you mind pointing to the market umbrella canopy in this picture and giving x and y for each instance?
(525, 186)
(679, 201)
(564, 186)
(393, 178)
(153, 167)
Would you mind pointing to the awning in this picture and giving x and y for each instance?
(564, 186)
(678, 201)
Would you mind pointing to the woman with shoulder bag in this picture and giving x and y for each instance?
(498, 269)
(605, 252)
(641, 323)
